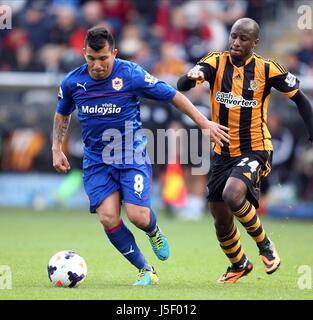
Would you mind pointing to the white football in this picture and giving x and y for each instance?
(67, 269)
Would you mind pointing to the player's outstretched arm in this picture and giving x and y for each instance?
(305, 110)
(216, 132)
(189, 80)
(60, 126)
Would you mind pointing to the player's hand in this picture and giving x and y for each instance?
(196, 74)
(60, 162)
(218, 133)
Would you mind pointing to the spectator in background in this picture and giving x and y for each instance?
(305, 53)
(228, 11)
(68, 36)
(169, 24)
(256, 9)
(36, 25)
(205, 31)
(171, 64)
(283, 144)
(145, 57)
(117, 13)
(57, 5)
(64, 26)
(145, 11)
(130, 41)
(50, 56)
(25, 61)
(14, 39)
(92, 14)
(295, 66)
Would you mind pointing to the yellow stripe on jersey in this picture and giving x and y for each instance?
(291, 93)
(217, 85)
(275, 70)
(257, 131)
(210, 59)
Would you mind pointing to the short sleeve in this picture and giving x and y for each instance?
(282, 80)
(65, 105)
(147, 86)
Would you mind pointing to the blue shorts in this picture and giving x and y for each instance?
(134, 184)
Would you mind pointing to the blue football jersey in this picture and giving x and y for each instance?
(108, 110)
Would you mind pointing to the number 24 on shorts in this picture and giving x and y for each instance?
(252, 164)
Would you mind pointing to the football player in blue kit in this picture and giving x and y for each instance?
(106, 92)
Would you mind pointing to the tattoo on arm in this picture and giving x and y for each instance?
(60, 126)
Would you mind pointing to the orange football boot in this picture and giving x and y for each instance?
(234, 273)
(270, 258)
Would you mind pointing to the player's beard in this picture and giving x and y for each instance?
(98, 75)
(101, 74)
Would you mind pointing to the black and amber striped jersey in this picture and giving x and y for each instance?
(239, 98)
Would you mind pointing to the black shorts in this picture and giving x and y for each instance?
(250, 168)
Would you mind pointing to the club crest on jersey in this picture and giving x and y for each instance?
(117, 84)
(254, 85)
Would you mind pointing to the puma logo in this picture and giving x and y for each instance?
(138, 193)
(82, 85)
(131, 250)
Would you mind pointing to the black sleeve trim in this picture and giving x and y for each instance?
(207, 70)
(305, 110)
(185, 84)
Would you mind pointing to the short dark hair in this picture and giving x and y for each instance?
(249, 24)
(98, 37)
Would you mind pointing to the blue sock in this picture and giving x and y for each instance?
(152, 226)
(124, 241)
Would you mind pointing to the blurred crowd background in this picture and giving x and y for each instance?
(166, 37)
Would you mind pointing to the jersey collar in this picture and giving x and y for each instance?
(247, 61)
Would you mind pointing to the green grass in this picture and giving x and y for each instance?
(29, 238)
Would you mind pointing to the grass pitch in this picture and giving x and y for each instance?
(29, 238)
